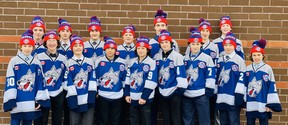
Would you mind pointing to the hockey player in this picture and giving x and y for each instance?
(94, 47)
(111, 74)
(160, 23)
(81, 85)
(24, 88)
(65, 31)
(140, 84)
(54, 67)
(230, 81)
(200, 73)
(261, 93)
(38, 28)
(226, 27)
(127, 49)
(172, 80)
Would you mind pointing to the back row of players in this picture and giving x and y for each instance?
(212, 72)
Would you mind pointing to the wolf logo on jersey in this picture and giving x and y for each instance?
(192, 75)
(224, 77)
(52, 75)
(109, 78)
(254, 87)
(164, 75)
(136, 78)
(26, 82)
(81, 79)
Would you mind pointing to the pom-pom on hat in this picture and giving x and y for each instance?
(109, 43)
(164, 35)
(230, 39)
(204, 24)
(75, 39)
(51, 35)
(95, 24)
(129, 29)
(37, 22)
(160, 17)
(143, 41)
(225, 20)
(258, 46)
(27, 38)
(195, 36)
(64, 25)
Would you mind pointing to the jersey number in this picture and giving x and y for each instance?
(11, 82)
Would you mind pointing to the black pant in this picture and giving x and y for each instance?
(110, 111)
(66, 110)
(138, 112)
(171, 110)
(56, 107)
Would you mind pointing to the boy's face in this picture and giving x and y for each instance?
(51, 44)
(205, 33)
(257, 57)
(165, 45)
(195, 47)
(228, 48)
(27, 49)
(110, 52)
(142, 51)
(77, 49)
(65, 34)
(160, 26)
(225, 28)
(128, 38)
(38, 33)
(94, 34)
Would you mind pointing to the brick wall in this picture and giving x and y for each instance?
(252, 19)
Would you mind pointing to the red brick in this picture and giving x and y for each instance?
(239, 2)
(109, 7)
(257, 30)
(171, 8)
(138, 2)
(249, 36)
(218, 2)
(97, 13)
(188, 22)
(49, 5)
(110, 20)
(13, 25)
(177, 15)
(76, 13)
(7, 31)
(231, 9)
(117, 14)
(250, 23)
(198, 2)
(238, 16)
(13, 11)
(137, 14)
(278, 30)
(89, 6)
(191, 8)
(69, 6)
(272, 10)
(173, 22)
(252, 9)
(273, 23)
(56, 12)
(158, 2)
(271, 37)
(279, 3)
(240, 30)
(279, 16)
(118, 1)
(8, 4)
(153, 8)
(129, 21)
(197, 15)
(259, 16)
(130, 7)
(34, 12)
(183, 2)
(211, 9)
(259, 2)
(7, 18)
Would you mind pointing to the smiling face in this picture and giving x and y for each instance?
(52, 45)
(128, 38)
(64, 35)
(94, 34)
(225, 28)
(110, 52)
(205, 33)
(77, 49)
(27, 49)
(165, 45)
(142, 52)
(160, 26)
(228, 48)
(257, 57)
(195, 47)
(38, 33)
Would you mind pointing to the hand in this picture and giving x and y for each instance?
(142, 101)
(38, 107)
(128, 99)
(268, 109)
(244, 109)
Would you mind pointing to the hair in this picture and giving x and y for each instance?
(251, 59)
(58, 44)
(148, 51)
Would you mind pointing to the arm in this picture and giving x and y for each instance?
(273, 101)
(9, 99)
(240, 87)
(42, 95)
(210, 78)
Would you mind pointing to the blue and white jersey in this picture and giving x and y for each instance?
(39, 49)
(93, 49)
(155, 47)
(230, 81)
(81, 84)
(239, 49)
(171, 74)
(110, 77)
(65, 50)
(261, 91)
(200, 73)
(210, 49)
(53, 72)
(24, 87)
(141, 80)
(127, 53)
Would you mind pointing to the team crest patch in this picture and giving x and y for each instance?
(51, 36)
(218, 65)
(235, 68)
(66, 27)
(111, 45)
(102, 63)
(196, 40)
(185, 63)
(142, 44)
(85, 50)
(43, 62)
(201, 65)
(157, 62)
(163, 37)
(238, 48)
(228, 41)
(117, 53)
(204, 26)
(122, 67)
(38, 24)
(223, 21)
(128, 30)
(26, 41)
(159, 20)
(77, 41)
(171, 65)
(247, 73)
(16, 67)
(265, 77)
(146, 68)
(258, 48)
(93, 27)
(213, 54)
(71, 68)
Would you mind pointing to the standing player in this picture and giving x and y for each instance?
(38, 28)
(81, 85)
(262, 97)
(172, 80)
(226, 27)
(94, 47)
(65, 31)
(24, 88)
(230, 80)
(200, 73)
(111, 74)
(160, 23)
(140, 83)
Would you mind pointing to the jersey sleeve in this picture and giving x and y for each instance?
(9, 100)
(273, 101)
(210, 78)
(240, 85)
(71, 91)
(182, 82)
(92, 88)
(42, 95)
(150, 82)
